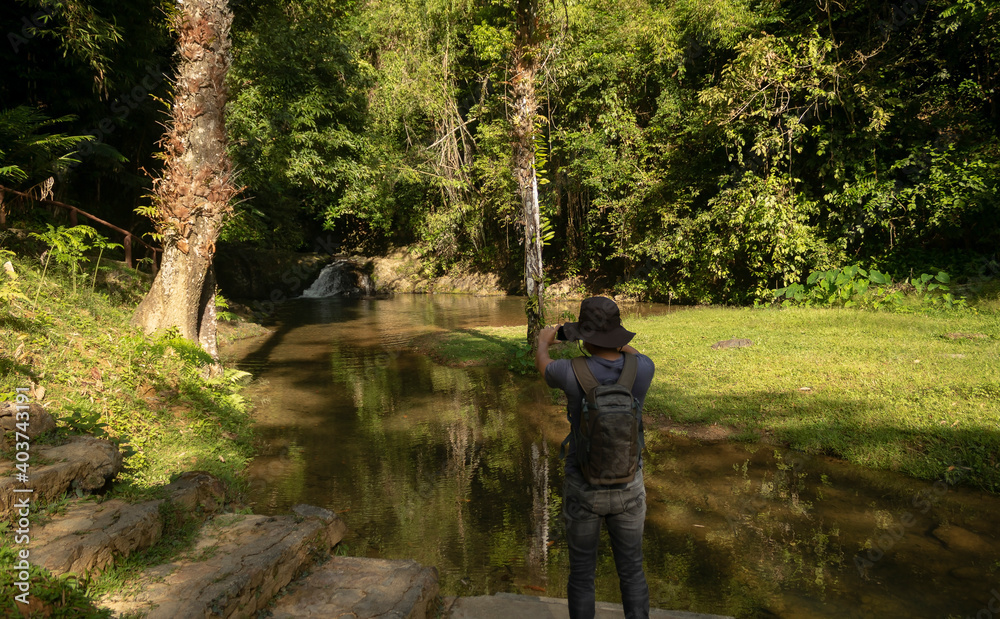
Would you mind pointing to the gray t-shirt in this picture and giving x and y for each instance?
(559, 374)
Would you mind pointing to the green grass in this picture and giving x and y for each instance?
(102, 376)
(883, 390)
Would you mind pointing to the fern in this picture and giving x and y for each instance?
(28, 153)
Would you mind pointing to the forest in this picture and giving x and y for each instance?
(698, 151)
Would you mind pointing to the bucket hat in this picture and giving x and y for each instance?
(600, 324)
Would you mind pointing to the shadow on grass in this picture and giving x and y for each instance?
(854, 429)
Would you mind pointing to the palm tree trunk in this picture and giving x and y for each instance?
(193, 194)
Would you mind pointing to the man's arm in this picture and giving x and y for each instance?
(546, 337)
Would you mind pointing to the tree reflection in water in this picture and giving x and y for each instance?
(455, 467)
(538, 550)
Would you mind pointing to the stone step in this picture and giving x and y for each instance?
(505, 605)
(82, 465)
(362, 589)
(90, 536)
(238, 564)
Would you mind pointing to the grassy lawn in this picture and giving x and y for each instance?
(883, 390)
(98, 375)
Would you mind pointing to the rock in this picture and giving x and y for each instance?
(733, 343)
(40, 422)
(966, 336)
(311, 511)
(962, 540)
(84, 463)
(400, 273)
(236, 566)
(90, 536)
(197, 490)
(362, 589)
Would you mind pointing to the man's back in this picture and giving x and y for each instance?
(559, 374)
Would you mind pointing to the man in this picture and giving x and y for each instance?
(622, 506)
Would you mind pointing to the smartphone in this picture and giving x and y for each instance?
(560, 334)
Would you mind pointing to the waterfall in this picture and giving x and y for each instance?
(340, 279)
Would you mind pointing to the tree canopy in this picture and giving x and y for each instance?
(703, 151)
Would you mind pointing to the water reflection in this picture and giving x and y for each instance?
(457, 468)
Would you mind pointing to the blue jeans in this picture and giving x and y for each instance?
(623, 508)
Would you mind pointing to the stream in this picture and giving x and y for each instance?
(458, 468)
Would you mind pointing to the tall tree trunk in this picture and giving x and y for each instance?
(192, 196)
(525, 112)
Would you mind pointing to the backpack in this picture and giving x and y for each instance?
(609, 436)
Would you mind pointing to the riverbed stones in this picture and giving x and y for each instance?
(238, 563)
(363, 589)
(733, 343)
(89, 536)
(83, 464)
(959, 539)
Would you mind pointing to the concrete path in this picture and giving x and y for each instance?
(506, 605)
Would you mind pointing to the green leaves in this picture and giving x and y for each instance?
(26, 153)
(68, 245)
(853, 286)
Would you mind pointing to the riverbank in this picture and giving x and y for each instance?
(903, 392)
(149, 401)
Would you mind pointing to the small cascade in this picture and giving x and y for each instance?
(342, 278)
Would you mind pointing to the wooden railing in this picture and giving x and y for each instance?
(128, 237)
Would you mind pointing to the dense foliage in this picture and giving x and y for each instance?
(697, 150)
(82, 84)
(706, 151)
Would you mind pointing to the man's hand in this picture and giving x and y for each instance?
(546, 337)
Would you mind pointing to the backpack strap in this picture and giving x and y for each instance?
(629, 370)
(586, 378)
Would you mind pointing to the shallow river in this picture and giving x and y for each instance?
(458, 468)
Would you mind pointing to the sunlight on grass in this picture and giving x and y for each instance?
(908, 392)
